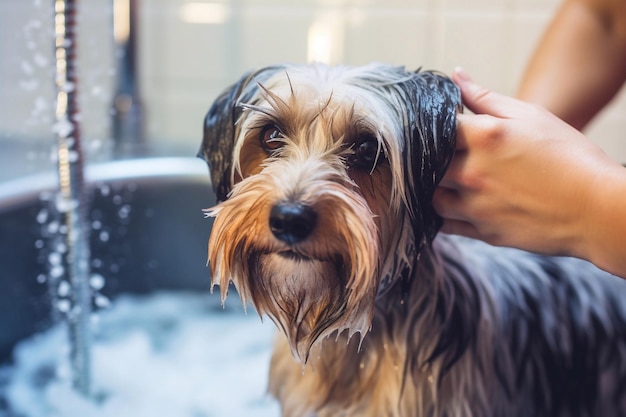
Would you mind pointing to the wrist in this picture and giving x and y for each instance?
(602, 236)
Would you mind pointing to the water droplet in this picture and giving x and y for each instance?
(54, 258)
(105, 190)
(42, 216)
(45, 195)
(63, 306)
(40, 60)
(53, 227)
(63, 127)
(30, 85)
(27, 68)
(95, 145)
(104, 236)
(96, 282)
(41, 278)
(68, 87)
(61, 247)
(64, 289)
(57, 271)
(101, 301)
(41, 104)
(39, 244)
(76, 312)
(73, 156)
(64, 204)
(96, 225)
(124, 211)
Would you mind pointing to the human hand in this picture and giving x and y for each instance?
(521, 177)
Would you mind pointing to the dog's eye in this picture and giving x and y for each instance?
(366, 153)
(271, 138)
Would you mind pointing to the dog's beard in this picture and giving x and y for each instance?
(304, 296)
(322, 285)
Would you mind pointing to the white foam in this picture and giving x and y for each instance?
(168, 354)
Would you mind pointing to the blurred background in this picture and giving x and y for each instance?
(156, 65)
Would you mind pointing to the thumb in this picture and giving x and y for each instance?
(481, 100)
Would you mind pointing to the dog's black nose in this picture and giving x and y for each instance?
(292, 222)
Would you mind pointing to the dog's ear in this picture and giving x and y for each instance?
(221, 130)
(434, 101)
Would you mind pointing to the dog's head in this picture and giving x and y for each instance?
(325, 177)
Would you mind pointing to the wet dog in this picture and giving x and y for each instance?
(325, 177)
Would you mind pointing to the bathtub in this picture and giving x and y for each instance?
(148, 233)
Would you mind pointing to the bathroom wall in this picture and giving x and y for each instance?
(190, 50)
(27, 94)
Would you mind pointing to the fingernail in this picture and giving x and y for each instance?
(461, 74)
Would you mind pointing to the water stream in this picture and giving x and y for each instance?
(72, 200)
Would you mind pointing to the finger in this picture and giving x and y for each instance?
(471, 129)
(481, 100)
(463, 122)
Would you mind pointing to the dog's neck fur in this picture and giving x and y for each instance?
(424, 313)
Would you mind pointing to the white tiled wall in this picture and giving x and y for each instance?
(184, 65)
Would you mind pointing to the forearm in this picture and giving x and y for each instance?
(580, 63)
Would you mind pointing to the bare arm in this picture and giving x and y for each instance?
(522, 177)
(580, 64)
